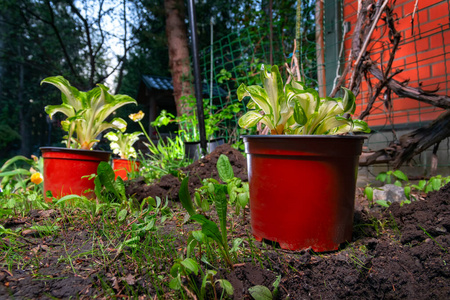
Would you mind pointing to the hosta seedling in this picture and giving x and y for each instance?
(87, 112)
(295, 109)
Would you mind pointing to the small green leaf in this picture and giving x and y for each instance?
(436, 184)
(383, 203)
(175, 283)
(122, 215)
(185, 197)
(224, 168)
(407, 191)
(243, 199)
(381, 177)
(226, 285)
(368, 191)
(209, 228)
(400, 175)
(260, 292)
(106, 176)
(190, 265)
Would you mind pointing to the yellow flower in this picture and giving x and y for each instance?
(137, 116)
(36, 178)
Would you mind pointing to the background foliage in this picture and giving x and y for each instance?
(91, 41)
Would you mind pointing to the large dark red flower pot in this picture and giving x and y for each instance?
(64, 169)
(124, 166)
(302, 189)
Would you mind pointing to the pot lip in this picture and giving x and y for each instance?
(61, 149)
(208, 141)
(297, 136)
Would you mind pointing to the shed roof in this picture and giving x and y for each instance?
(165, 83)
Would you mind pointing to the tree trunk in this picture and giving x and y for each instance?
(178, 53)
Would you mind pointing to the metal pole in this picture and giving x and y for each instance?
(197, 77)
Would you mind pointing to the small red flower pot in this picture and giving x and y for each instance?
(302, 189)
(123, 166)
(64, 169)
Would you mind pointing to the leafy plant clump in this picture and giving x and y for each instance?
(86, 112)
(122, 143)
(295, 109)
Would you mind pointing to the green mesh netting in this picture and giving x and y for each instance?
(237, 59)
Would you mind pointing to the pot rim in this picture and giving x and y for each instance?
(297, 136)
(62, 149)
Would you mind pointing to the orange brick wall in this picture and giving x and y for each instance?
(424, 56)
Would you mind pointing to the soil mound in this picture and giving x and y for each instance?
(169, 185)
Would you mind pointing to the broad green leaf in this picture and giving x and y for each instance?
(191, 244)
(400, 175)
(199, 236)
(190, 265)
(67, 198)
(224, 168)
(221, 202)
(368, 191)
(243, 199)
(175, 283)
(175, 269)
(381, 176)
(226, 285)
(14, 159)
(106, 176)
(348, 101)
(250, 119)
(407, 191)
(257, 94)
(209, 228)
(120, 187)
(383, 203)
(185, 197)
(436, 183)
(260, 292)
(122, 215)
(15, 172)
(275, 286)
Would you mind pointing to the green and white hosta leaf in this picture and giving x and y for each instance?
(348, 101)
(250, 119)
(257, 94)
(69, 94)
(62, 108)
(273, 85)
(299, 114)
(327, 126)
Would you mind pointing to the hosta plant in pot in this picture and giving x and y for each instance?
(302, 170)
(66, 170)
(122, 145)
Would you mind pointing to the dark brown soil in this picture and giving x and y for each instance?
(169, 185)
(400, 253)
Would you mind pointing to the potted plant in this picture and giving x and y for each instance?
(122, 145)
(302, 170)
(66, 170)
(188, 126)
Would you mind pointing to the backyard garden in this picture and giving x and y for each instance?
(252, 193)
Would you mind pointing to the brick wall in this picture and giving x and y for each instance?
(423, 54)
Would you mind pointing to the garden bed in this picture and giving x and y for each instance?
(400, 252)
